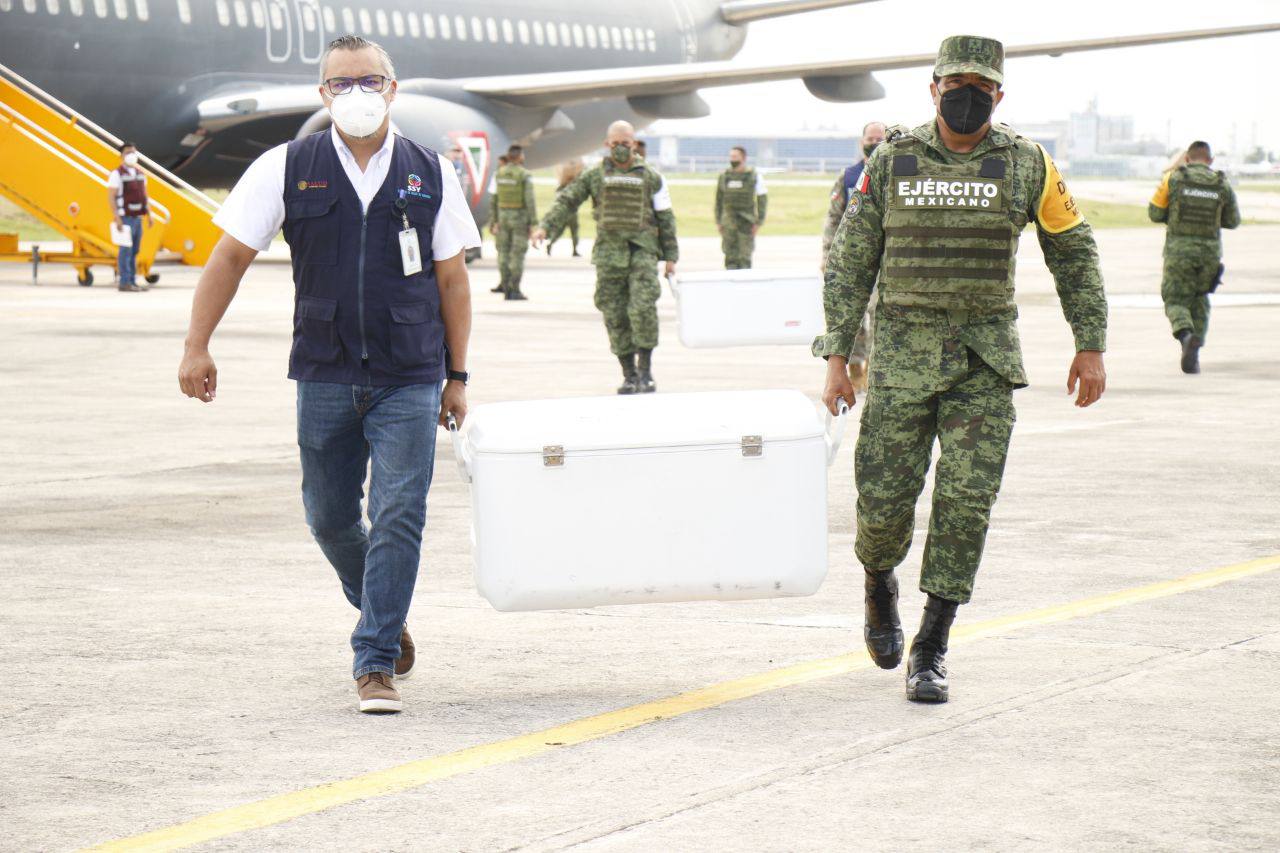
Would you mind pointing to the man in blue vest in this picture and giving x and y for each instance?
(378, 326)
(872, 135)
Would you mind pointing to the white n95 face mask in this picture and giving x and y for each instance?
(358, 113)
(131, 159)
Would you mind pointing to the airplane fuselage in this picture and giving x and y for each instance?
(142, 76)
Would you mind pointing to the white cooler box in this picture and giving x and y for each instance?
(652, 498)
(733, 308)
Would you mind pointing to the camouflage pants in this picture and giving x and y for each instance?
(738, 244)
(574, 229)
(513, 243)
(627, 292)
(1185, 290)
(972, 421)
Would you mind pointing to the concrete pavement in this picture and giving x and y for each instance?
(175, 644)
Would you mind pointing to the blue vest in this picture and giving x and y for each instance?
(358, 319)
(851, 175)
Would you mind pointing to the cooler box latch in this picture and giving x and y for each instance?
(553, 456)
(752, 445)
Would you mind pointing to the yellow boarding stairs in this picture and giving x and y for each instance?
(54, 164)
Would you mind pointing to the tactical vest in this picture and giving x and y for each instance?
(624, 199)
(511, 187)
(740, 192)
(358, 319)
(951, 232)
(132, 199)
(1196, 201)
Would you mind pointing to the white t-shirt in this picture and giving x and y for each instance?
(662, 198)
(254, 211)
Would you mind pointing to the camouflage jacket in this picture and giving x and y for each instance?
(659, 234)
(517, 216)
(920, 346)
(1158, 211)
(724, 217)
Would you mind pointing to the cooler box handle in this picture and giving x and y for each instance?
(459, 449)
(835, 431)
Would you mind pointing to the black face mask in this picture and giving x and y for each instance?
(735, 163)
(966, 109)
(867, 149)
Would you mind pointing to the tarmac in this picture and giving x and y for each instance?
(177, 653)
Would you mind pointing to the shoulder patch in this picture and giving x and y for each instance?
(1057, 210)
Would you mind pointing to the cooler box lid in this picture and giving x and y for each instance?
(643, 421)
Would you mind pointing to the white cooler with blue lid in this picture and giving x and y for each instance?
(648, 498)
(733, 308)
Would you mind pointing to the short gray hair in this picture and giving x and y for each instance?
(357, 43)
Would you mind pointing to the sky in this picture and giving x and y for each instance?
(1218, 90)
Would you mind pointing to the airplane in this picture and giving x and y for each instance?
(205, 86)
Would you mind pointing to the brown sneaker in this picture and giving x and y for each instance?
(408, 659)
(377, 695)
(858, 376)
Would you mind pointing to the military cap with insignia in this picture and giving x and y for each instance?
(970, 55)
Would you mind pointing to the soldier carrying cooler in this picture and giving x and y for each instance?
(635, 228)
(1197, 203)
(936, 216)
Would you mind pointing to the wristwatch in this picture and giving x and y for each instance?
(458, 376)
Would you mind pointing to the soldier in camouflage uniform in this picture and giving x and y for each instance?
(493, 227)
(635, 228)
(937, 218)
(872, 135)
(511, 220)
(741, 203)
(1197, 203)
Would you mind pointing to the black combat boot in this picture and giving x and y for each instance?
(501, 288)
(882, 631)
(926, 665)
(644, 382)
(630, 383)
(1190, 351)
(513, 291)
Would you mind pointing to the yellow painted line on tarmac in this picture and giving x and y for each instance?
(415, 774)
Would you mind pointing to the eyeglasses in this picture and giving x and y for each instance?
(373, 84)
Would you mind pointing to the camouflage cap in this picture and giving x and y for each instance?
(971, 55)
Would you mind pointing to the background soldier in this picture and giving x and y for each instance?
(493, 227)
(937, 216)
(635, 228)
(1197, 203)
(642, 149)
(513, 220)
(872, 135)
(741, 203)
(565, 175)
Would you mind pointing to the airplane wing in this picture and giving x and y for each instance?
(558, 88)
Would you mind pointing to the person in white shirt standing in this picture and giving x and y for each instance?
(127, 195)
(378, 327)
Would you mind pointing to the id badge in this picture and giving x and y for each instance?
(410, 252)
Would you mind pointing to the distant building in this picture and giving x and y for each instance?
(802, 151)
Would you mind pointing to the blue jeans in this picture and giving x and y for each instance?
(127, 261)
(341, 428)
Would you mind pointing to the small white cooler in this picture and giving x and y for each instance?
(732, 308)
(648, 498)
